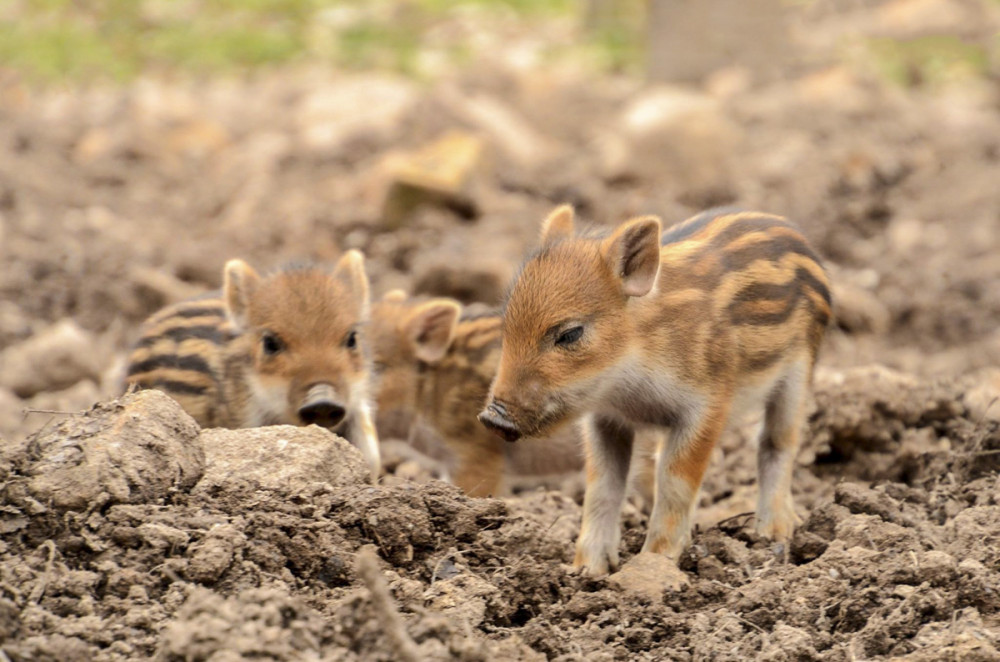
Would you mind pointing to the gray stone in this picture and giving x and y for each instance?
(284, 459)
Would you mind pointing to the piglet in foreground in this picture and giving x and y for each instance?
(721, 315)
(287, 348)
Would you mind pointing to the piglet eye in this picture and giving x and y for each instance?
(271, 344)
(352, 340)
(570, 336)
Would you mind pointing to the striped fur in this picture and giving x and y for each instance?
(182, 351)
(687, 329)
(447, 390)
(255, 353)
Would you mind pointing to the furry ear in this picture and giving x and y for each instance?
(394, 296)
(350, 269)
(239, 281)
(557, 225)
(431, 328)
(633, 254)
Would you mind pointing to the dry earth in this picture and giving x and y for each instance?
(128, 533)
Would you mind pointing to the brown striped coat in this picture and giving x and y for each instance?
(288, 348)
(688, 330)
(435, 361)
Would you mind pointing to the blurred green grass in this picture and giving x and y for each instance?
(118, 39)
(56, 40)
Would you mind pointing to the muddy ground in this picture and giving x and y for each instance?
(179, 545)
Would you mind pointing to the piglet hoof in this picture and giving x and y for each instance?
(595, 564)
(778, 527)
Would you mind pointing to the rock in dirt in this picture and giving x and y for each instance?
(443, 173)
(283, 459)
(648, 575)
(212, 554)
(140, 449)
(54, 359)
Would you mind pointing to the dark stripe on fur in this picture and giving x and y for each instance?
(211, 333)
(759, 362)
(817, 285)
(191, 362)
(200, 311)
(746, 223)
(741, 308)
(773, 250)
(687, 228)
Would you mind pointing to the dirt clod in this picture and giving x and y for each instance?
(647, 576)
(282, 459)
(141, 449)
(210, 557)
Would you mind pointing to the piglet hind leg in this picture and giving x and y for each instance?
(779, 443)
(680, 468)
(608, 445)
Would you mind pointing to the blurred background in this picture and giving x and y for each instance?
(145, 142)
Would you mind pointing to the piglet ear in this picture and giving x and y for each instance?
(431, 328)
(350, 270)
(239, 281)
(557, 225)
(633, 254)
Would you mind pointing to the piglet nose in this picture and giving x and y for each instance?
(320, 406)
(496, 419)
